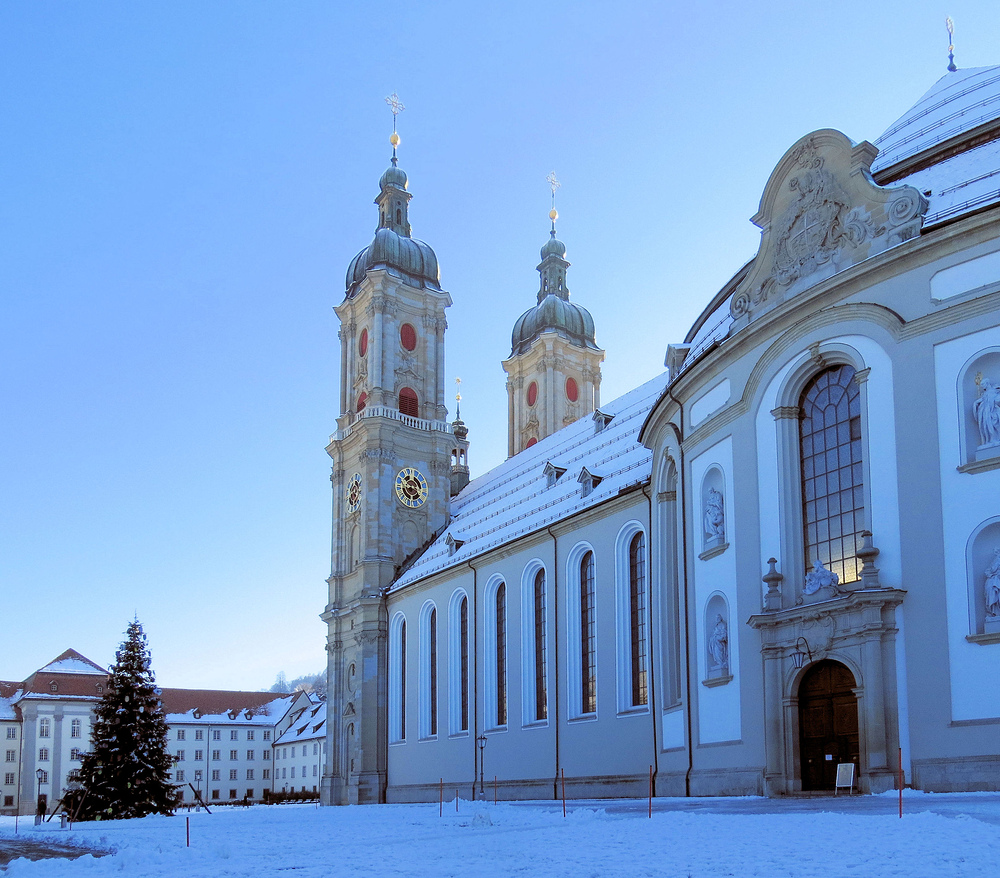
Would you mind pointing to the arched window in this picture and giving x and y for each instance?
(534, 645)
(397, 679)
(75, 729)
(362, 401)
(588, 635)
(408, 402)
(495, 654)
(428, 670)
(458, 662)
(501, 652)
(637, 616)
(541, 704)
(832, 481)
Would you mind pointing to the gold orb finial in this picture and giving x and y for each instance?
(553, 214)
(394, 139)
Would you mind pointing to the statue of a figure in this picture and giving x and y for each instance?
(715, 518)
(718, 643)
(987, 412)
(993, 585)
(819, 577)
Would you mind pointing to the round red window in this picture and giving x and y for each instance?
(572, 391)
(408, 336)
(532, 393)
(363, 342)
(530, 442)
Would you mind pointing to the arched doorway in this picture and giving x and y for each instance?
(828, 724)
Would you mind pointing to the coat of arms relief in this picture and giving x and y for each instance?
(821, 213)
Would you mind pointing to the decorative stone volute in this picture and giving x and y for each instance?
(821, 213)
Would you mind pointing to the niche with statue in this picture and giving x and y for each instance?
(717, 645)
(983, 566)
(979, 399)
(713, 505)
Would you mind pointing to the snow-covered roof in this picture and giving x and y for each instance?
(956, 103)
(9, 694)
(515, 498)
(72, 662)
(307, 724)
(221, 706)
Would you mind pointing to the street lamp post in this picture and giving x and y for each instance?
(481, 741)
(40, 806)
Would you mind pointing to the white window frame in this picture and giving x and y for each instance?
(491, 720)
(574, 669)
(623, 616)
(455, 665)
(429, 701)
(528, 676)
(396, 725)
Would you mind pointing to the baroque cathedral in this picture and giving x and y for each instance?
(774, 568)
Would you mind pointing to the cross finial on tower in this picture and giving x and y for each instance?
(951, 44)
(553, 214)
(458, 398)
(396, 105)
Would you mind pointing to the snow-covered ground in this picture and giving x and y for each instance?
(937, 836)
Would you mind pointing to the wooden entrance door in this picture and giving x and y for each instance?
(828, 724)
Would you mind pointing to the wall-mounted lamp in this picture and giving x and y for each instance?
(798, 656)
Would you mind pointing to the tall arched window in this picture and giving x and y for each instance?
(588, 635)
(408, 404)
(637, 616)
(428, 670)
(832, 480)
(538, 595)
(458, 663)
(501, 653)
(397, 678)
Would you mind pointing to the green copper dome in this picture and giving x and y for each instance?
(393, 248)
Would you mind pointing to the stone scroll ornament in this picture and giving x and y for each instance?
(715, 517)
(821, 213)
(718, 643)
(986, 410)
(993, 586)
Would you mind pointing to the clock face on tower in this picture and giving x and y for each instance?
(411, 488)
(354, 493)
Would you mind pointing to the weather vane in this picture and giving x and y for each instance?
(396, 105)
(555, 184)
(951, 44)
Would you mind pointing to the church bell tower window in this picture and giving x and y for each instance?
(572, 391)
(408, 336)
(363, 343)
(532, 393)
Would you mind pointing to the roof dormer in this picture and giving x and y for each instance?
(553, 473)
(601, 420)
(588, 481)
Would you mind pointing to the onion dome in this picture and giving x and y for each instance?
(554, 311)
(393, 247)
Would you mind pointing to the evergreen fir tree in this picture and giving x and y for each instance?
(125, 774)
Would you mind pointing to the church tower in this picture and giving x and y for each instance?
(392, 474)
(554, 368)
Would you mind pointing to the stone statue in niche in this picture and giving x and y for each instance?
(715, 519)
(819, 577)
(987, 412)
(993, 586)
(718, 644)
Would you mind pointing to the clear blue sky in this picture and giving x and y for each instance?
(183, 185)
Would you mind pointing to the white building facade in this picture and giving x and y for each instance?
(222, 741)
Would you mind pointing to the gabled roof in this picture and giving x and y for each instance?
(9, 693)
(72, 662)
(307, 724)
(516, 499)
(69, 675)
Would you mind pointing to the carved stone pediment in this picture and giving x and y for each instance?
(821, 213)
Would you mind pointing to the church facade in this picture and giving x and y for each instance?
(779, 557)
